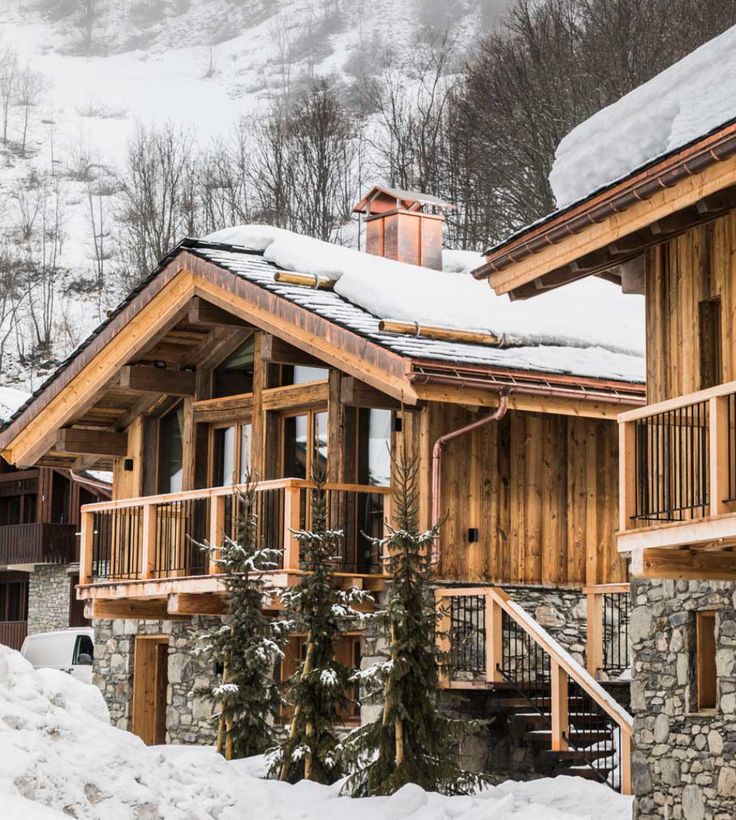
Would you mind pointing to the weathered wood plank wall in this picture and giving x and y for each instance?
(680, 274)
(540, 489)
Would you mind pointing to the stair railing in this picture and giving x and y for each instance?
(583, 717)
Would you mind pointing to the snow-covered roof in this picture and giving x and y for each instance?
(10, 400)
(588, 329)
(679, 105)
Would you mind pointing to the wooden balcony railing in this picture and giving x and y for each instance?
(160, 537)
(38, 543)
(13, 633)
(607, 640)
(677, 465)
(492, 641)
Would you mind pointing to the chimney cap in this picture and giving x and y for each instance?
(381, 198)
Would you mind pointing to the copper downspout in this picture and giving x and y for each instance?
(499, 413)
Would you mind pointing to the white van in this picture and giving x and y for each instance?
(70, 650)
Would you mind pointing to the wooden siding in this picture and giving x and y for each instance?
(541, 490)
(680, 274)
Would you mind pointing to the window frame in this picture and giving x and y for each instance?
(706, 648)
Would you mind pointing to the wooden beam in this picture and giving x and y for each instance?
(276, 351)
(161, 380)
(688, 564)
(187, 603)
(355, 393)
(153, 609)
(202, 312)
(91, 442)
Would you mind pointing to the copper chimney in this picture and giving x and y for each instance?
(404, 225)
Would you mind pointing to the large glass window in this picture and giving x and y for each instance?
(305, 444)
(374, 442)
(224, 457)
(246, 443)
(170, 443)
(235, 375)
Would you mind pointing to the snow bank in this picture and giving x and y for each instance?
(684, 102)
(10, 400)
(59, 757)
(588, 313)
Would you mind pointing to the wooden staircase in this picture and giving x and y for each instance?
(549, 702)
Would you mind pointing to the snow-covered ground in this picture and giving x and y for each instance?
(59, 757)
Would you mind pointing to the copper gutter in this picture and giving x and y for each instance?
(580, 394)
(692, 160)
(497, 415)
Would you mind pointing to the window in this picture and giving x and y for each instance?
(301, 374)
(374, 442)
(246, 444)
(709, 332)
(235, 375)
(231, 454)
(170, 463)
(305, 444)
(224, 453)
(705, 660)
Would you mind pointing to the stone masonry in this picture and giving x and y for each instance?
(684, 762)
(188, 718)
(49, 591)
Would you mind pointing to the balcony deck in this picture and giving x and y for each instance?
(38, 543)
(143, 557)
(678, 486)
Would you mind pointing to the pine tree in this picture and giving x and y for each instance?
(317, 691)
(412, 741)
(248, 643)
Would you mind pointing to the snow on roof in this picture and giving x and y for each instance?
(679, 105)
(591, 315)
(10, 400)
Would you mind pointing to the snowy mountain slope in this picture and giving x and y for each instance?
(199, 64)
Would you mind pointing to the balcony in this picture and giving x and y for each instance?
(677, 504)
(37, 543)
(146, 555)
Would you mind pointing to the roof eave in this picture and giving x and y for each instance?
(599, 208)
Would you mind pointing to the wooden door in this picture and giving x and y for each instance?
(150, 682)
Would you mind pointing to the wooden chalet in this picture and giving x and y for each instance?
(222, 363)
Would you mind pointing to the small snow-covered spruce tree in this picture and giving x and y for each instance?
(248, 644)
(412, 741)
(317, 692)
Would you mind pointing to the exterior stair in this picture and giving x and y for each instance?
(520, 675)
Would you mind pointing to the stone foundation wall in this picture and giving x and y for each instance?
(188, 718)
(49, 591)
(684, 763)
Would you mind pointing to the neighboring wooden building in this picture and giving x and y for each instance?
(668, 230)
(39, 540)
(221, 363)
